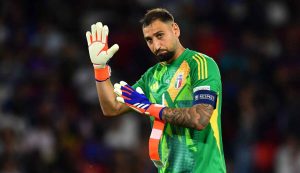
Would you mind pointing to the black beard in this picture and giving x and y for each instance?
(165, 56)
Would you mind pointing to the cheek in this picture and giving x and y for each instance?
(170, 41)
(150, 46)
(171, 44)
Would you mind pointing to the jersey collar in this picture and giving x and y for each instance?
(177, 60)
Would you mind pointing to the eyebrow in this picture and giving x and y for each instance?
(155, 34)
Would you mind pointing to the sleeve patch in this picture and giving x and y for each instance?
(206, 97)
(206, 87)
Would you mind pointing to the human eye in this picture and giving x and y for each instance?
(148, 40)
(160, 35)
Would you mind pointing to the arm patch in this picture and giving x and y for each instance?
(206, 97)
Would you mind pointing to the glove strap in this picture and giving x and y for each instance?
(155, 110)
(156, 134)
(102, 74)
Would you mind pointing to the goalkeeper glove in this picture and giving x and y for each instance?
(99, 51)
(136, 100)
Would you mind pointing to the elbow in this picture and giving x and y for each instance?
(202, 118)
(200, 126)
(109, 113)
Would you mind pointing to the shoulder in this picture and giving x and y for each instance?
(202, 66)
(195, 59)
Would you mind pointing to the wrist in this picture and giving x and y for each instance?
(96, 66)
(102, 73)
(155, 110)
(161, 113)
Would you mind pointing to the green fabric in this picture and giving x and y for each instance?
(185, 149)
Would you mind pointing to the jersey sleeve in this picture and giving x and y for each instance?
(205, 79)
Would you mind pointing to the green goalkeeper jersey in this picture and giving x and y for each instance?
(187, 150)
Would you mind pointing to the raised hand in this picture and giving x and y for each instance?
(98, 46)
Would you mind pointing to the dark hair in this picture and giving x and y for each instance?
(156, 14)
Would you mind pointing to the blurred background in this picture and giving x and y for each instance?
(50, 118)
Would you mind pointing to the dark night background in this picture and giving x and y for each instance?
(50, 118)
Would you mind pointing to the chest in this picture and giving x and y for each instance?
(170, 84)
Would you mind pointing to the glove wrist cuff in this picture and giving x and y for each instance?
(155, 110)
(102, 74)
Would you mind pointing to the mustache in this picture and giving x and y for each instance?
(160, 50)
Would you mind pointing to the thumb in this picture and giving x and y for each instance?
(113, 49)
(139, 90)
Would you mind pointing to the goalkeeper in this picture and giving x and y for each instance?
(182, 95)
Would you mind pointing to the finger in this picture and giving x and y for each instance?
(117, 86)
(126, 95)
(122, 91)
(99, 27)
(104, 34)
(112, 50)
(128, 88)
(118, 91)
(139, 90)
(93, 27)
(123, 83)
(88, 37)
(120, 99)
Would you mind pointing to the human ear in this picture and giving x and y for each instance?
(176, 29)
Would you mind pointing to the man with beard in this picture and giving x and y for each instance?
(182, 95)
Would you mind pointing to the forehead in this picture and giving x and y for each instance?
(155, 27)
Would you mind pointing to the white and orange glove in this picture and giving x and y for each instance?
(136, 100)
(99, 51)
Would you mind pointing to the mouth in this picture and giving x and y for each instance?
(164, 55)
(161, 52)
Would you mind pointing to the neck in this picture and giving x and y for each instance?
(178, 52)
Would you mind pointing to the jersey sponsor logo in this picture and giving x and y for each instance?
(178, 82)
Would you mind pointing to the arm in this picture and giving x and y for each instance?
(197, 116)
(99, 55)
(107, 98)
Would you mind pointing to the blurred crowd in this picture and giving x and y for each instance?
(50, 118)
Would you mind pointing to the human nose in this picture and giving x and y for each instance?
(156, 45)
